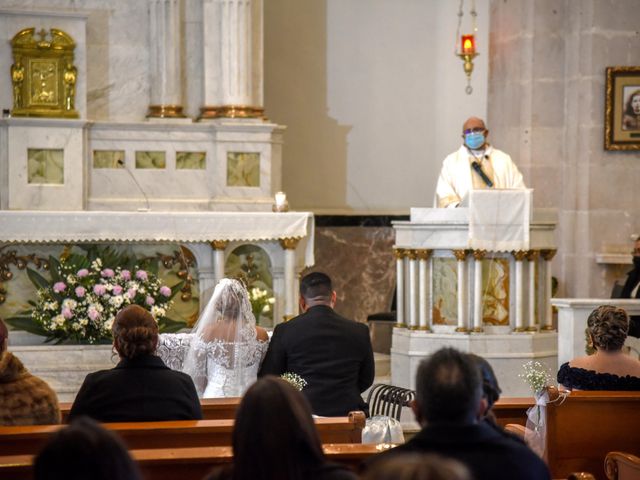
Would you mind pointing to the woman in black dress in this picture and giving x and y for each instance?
(141, 388)
(609, 368)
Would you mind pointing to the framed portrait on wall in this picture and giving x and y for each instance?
(622, 109)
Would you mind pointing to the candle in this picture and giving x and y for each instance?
(281, 199)
(468, 44)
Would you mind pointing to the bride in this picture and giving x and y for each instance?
(225, 347)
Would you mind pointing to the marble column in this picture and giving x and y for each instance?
(164, 59)
(290, 305)
(478, 255)
(519, 257)
(219, 247)
(206, 270)
(532, 258)
(413, 289)
(233, 71)
(424, 285)
(547, 322)
(461, 257)
(399, 254)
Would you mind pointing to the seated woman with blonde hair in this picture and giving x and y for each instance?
(609, 368)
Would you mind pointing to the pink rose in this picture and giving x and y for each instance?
(131, 293)
(99, 289)
(59, 287)
(141, 275)
(165, 291)
(83, 272)
(67, 313)
(116, 290)
(80, 292)
(149, 301)
(125, 274)
(94, 314)
(107, 273)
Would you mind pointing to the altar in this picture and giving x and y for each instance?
(491, 302)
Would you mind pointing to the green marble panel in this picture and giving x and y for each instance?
(243, 169)
(445, 291)
(108, 159)
(152, 160)
(191, 160)
(45, 166)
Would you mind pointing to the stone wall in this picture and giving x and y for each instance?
(546, 108)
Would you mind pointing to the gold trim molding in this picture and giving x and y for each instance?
(424, 254)
(219, 244)
(519, 255)
(165, 111)
(548, 254)
(230, 111)
(399, 253)
(461, 255)
(289, 243)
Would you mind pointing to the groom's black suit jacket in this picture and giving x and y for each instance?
(333, 354)
(633, 278)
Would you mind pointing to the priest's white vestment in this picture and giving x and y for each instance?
(457, 177)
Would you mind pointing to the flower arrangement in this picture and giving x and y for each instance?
(536, 375)
(261, 302)
(294, 379)
(82, 298)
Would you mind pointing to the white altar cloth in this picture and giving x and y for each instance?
(184, 227)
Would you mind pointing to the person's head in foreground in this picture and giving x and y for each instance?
(448, 389)
(607, 327)
(274, 434)
(4, 337)
(417, 466)
(490, 388)
(84, 450)
(316, 289)
(135, 332)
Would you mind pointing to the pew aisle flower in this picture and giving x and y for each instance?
(538, 377)
(295, 380)
(80, 302)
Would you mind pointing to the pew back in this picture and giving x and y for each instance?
(585, 426)
(188, 463)
(174, 434)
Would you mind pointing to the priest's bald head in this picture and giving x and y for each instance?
(475, 133)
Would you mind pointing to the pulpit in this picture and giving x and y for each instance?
(478, 279)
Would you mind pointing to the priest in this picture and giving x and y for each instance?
(475, 165)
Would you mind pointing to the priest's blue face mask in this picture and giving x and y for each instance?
(474, 139)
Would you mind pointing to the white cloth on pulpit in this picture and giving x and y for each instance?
(499, 219)
(457, 178)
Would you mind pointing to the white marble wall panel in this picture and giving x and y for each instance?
(4, 168)
(24, 134)
(73, 23)
(505, 353)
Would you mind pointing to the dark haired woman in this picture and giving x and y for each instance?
(275, 437)
(609, 368)
(84, 450)
(141, 387)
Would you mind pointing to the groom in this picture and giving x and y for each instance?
(333, 354)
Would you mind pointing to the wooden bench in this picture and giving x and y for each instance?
(212, 408)
(586, 425)
(512, 410)
(174, 434)
(188, 463)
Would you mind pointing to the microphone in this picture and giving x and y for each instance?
(476, 166)
(140, 189)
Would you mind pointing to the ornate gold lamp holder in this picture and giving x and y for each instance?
(43, 75)
(466, 43)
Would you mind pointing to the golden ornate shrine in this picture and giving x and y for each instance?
(43, 75)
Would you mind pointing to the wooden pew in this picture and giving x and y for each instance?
(188, 463)
(583, 428)
(512, 410)
(212, 408)
(174, 434)
(622, 466)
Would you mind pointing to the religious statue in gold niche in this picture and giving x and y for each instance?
(43, 75)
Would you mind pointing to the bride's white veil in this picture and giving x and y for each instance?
(225, 334)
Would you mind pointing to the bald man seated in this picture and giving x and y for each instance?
(475, 165)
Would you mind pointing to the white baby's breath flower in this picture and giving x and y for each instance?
(58, 320)
(116, 300)
(69, 303)
(157, 311)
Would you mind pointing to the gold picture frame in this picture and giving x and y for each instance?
(622, 110)
(43, 75)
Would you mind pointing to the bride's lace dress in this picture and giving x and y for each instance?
(213, 362)
(222, 354)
